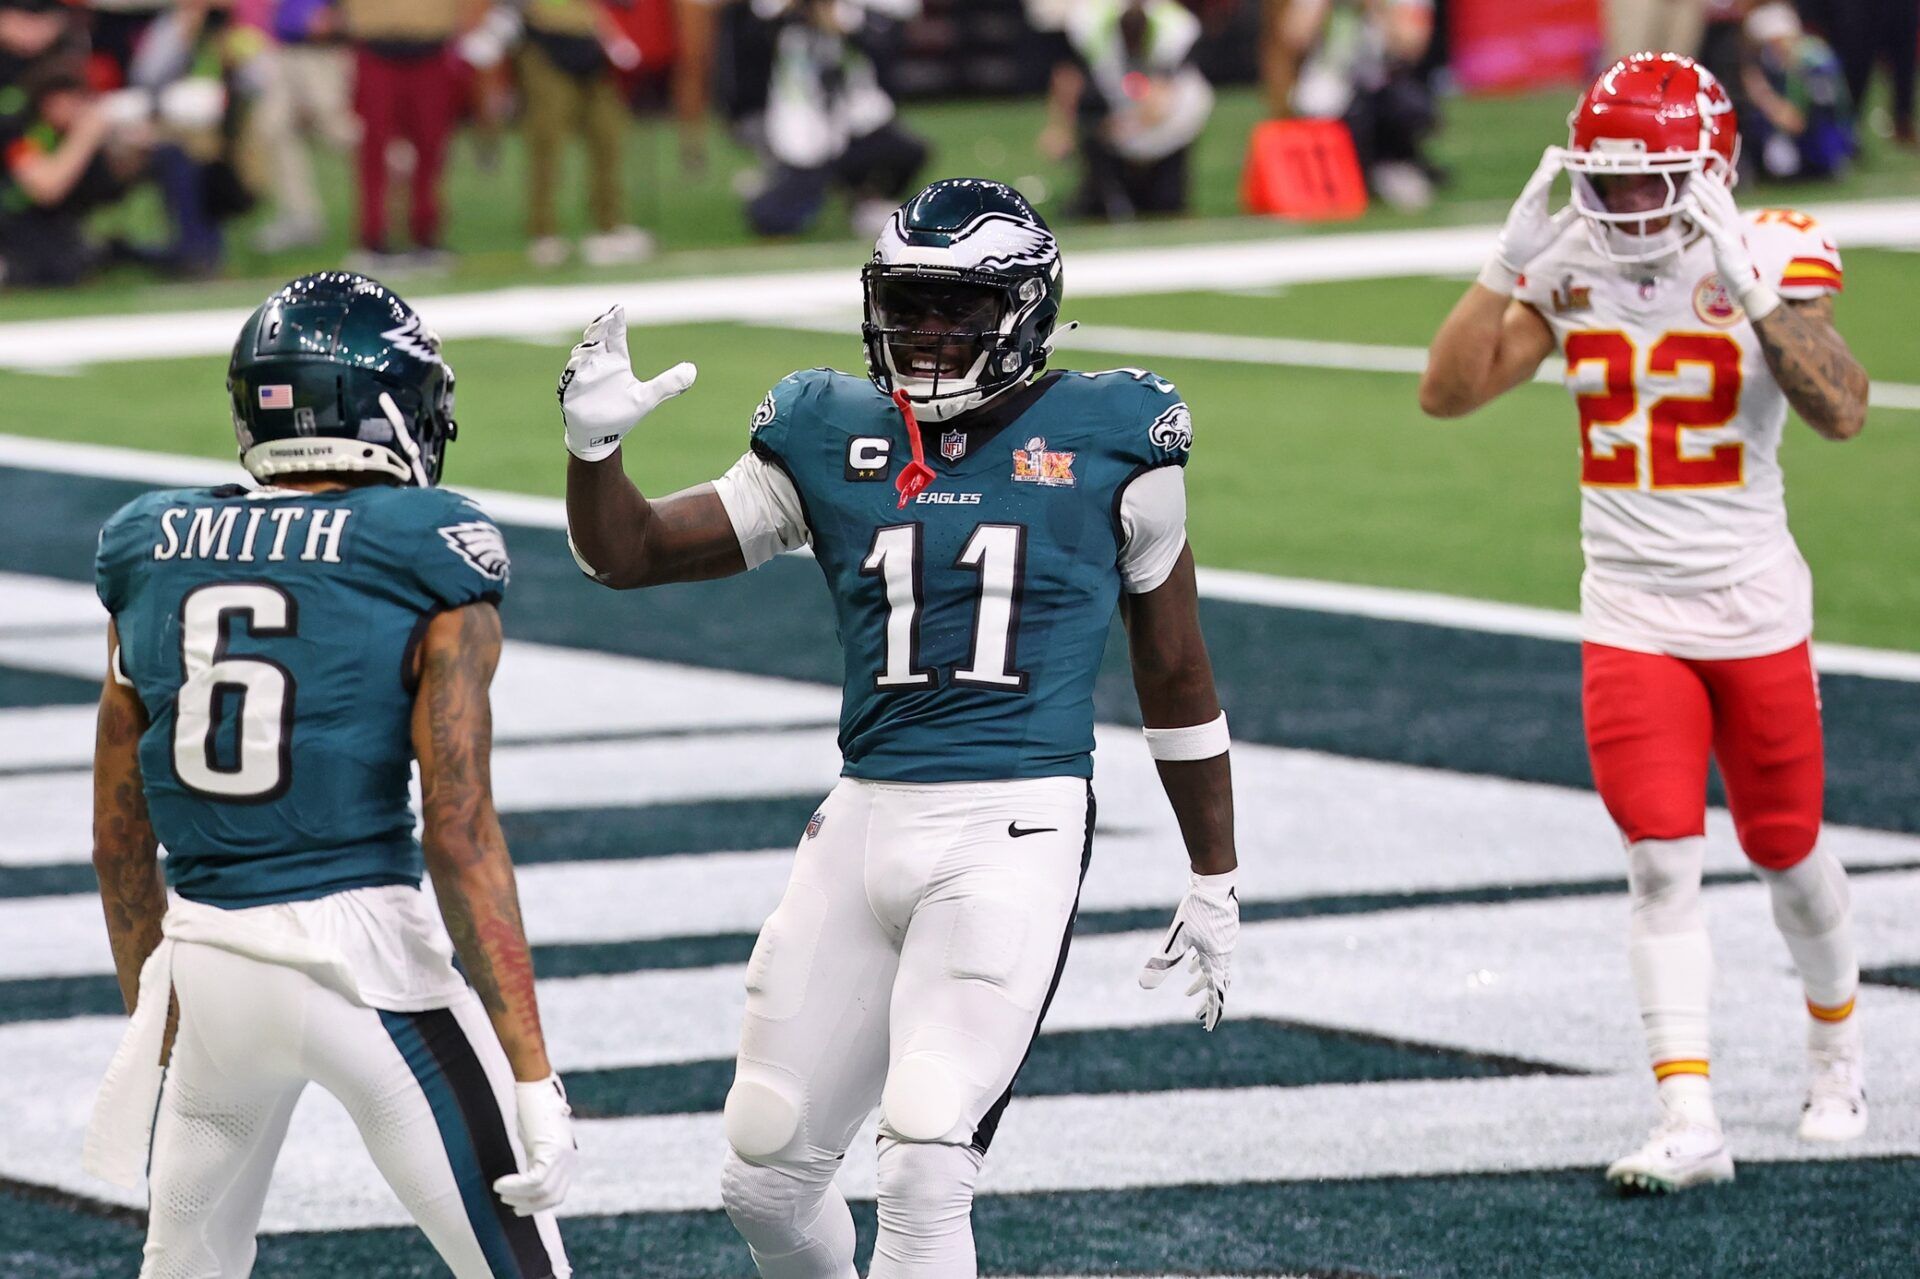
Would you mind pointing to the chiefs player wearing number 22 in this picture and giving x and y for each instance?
(1688, 329)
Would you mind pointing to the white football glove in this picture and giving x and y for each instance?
(1709, 205)
(1530, 230)
(600, 398)
(1204, 930)
(546, 1137)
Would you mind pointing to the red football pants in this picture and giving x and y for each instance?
(413, 98)
(1652, 722)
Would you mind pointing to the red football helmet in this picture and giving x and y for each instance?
(1649, 113)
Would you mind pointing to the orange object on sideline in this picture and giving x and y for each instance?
(1303, 169)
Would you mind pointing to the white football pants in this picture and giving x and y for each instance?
(920, 939)
(430, 1092)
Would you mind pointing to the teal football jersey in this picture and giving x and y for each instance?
(270, 635)
(973, 620)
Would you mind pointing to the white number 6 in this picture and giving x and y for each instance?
(259, 768)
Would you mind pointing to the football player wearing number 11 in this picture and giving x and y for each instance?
(1688, 329)
(977, 519)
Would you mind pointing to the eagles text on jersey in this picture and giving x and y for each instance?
(974, 618)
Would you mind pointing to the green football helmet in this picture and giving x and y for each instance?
(335, 373)
(961, 297)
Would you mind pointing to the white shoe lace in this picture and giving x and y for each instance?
(1836, 1080)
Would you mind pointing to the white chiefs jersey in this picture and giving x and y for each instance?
(1680, 417)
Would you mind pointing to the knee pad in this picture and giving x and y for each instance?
(1811, 897)
(924, 1099)
(793, 1220)
(756, 1195)
(761, 1117)
(1664, 877)
(1778, 842)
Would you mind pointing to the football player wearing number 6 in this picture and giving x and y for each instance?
(278, 657)
(1688, 330)
(977, 519)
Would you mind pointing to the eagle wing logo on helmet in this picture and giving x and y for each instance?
(764, 414)
(414, 338)
(480, 544)
(996, 241)
(991, 242)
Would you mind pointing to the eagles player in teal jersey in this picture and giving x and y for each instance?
(977, 519)
(278, 657)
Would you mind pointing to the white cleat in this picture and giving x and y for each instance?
(1836, 1105)
(1678, 1153)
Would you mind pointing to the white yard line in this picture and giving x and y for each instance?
(1303, 353)
(543, 311)
(1390, 603)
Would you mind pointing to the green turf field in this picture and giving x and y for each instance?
(1394, 892)
(1307, 472)
(1302, 471)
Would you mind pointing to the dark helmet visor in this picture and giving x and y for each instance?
(937, 306)
(936, 328)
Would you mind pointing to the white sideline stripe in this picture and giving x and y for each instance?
(539, 312)
(1236, 585)
(1302, 353)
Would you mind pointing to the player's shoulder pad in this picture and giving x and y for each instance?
(1794, 253)
(1572, 253)
(128, 538)
(802, 401)
(444, 540)
(133, 516)
(1141, 418)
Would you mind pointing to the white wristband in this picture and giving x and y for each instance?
(1199, 741)
(1499, 277)
(1221, 885)
(1759, 300)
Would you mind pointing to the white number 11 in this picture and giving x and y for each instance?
(997, 552)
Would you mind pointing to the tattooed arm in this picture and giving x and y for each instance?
(125, 851)
(1823, 381)
(465, 849)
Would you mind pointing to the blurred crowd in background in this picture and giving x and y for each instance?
(219, 106)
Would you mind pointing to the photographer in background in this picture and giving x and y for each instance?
(1800, 121)
(1369, 69)
(192, 83)
(828, 122)
(67, 154)
(53, 137)
(1134, 101)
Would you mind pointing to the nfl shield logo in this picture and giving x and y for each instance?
(953, 445)
(814, 824)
